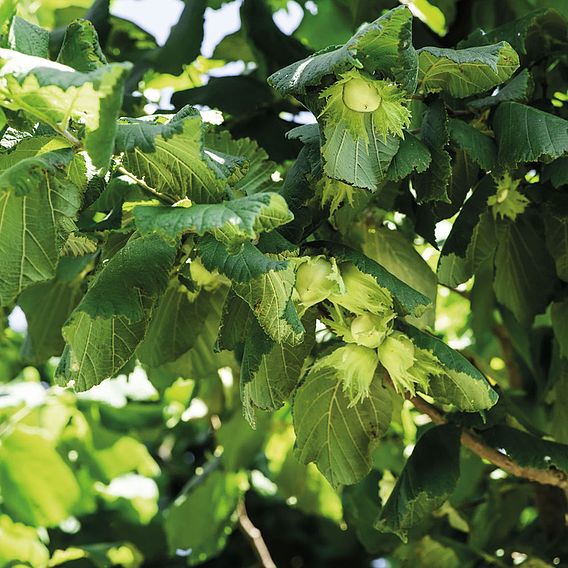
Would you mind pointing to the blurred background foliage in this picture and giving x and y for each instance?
(112, 477)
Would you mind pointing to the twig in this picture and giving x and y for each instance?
(476, 445)
(462, 293)
(150, 190)
(254, 536)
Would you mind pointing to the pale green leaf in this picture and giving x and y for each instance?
(230, 222)
(334, 434)
(38, 500)
(465, 72)
(54, 94)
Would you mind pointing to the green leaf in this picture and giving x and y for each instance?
(53, 93)
(242, 266)
(279, 371)
(169, 154)
(110, 321)
(234, 322)
(465, 72)
(21, 544)
(334, 434)
(478, 146)
(230, 222)
(362, 506)
(524, 271)
(407, 299)
(177, 320)
(354, 160)
(537, 33)
(556, 172)
(559, 315)
(260, 168)
(28, 38)
(312, 492)
(556, 232)
(215, 495)
(269, 297)
(23, 174)
(96, 349)
(383, 46)
(137, 271)
(462, 384)
(202, 362)
(81, 49)
(527, 450)
(396, 253)
(432, 184)
(412, 156)
(47, 306)
(527, 134)
(471, 240)
(425, 483)
(38, 500)
(33, 229)
(518, 89)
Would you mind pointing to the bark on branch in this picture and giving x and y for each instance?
(476, 445)
(254, 536)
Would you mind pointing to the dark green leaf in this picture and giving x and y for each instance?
(428, 479)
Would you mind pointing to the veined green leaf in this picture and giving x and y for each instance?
(527, 134)
(248, 263)
(177, 320)
(465, 72)
(517, 90)
(383, 46)
(28, 38)
(471, 240)
(230, 222)
(462, 384)
(428, 479)
(412, 156)
(139, 270)
(169, 153)
(279, 371)
(81, 49)
(478, 146)
(432, 184)
(527, 450)
(260, 169)
(47, 306)
(334, 434)
(269, 296)
(354, 160)
(33, 229)
(97, 348)
(54, 94)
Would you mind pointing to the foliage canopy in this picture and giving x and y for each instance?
(355, 324)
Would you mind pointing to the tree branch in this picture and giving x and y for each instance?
(477, 446)
(254, 536)
(149, 190)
